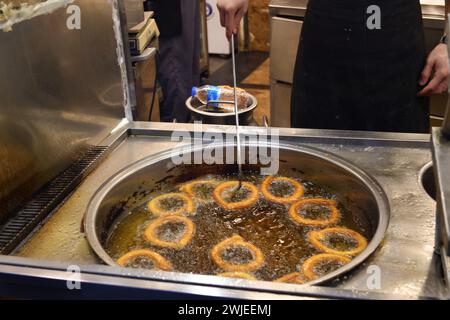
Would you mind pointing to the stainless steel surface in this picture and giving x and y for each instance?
(446, 123)
(13, 12)
(245, 115)
(297, 8)
(436, 121)
(441, 160)
(284, 39)
(60, 91)
(427, 179)
(19, 226)
(433, 8)
(280, 104)
(406, 261)
(124, 57)
(445, 261)
(293, 8)
(44, 281)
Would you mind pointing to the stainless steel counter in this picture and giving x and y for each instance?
(294, 8)
(441, 162)
(297, 8)
(434, 8)
(408, 267)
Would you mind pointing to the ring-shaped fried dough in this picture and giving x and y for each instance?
(159, 261)
(237, 275)
(190, 186)
(248, 202)
(152, 236)
(187, 207)
(237, 241)
(316, 238)
(309, 265)
(297, 194)
(294, 278)
(334, 217)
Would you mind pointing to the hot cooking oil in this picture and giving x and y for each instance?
(266, 225)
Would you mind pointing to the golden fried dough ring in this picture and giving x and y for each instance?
(295, 278)
(238, 241)
(316, 236)
(237, 275)
(297, 194)
(189, 187)
(151, 232)
(334, 217)
(160, 262)
(251, 200)
(188, 206)
(309, 265)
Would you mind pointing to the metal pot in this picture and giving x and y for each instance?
(359, 192)
(228, 118)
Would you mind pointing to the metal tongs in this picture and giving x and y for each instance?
(238, 134)
(218, 102)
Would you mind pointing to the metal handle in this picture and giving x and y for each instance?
(148, 54)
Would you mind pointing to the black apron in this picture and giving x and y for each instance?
(349, 77)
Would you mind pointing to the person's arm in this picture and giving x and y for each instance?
(436, 72)
(231, 13)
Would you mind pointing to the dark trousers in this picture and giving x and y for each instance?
(352, 78)
(178, 63)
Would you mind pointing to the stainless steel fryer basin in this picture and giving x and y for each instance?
(361, 194)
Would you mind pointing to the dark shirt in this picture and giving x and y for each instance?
(168, 17)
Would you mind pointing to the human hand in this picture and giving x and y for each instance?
(437, 70)
(231, 13)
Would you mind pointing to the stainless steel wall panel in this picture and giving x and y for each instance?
(280, 102)
(60, 91)
(285, 37)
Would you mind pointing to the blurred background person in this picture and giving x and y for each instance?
(179, 55)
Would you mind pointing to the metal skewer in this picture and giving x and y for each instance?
(238, 136)
(213, 104)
